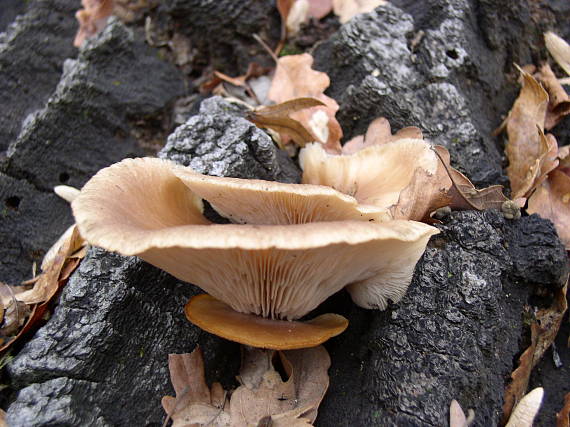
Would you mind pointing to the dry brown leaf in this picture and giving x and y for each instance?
(195, 403)
(559, 49)
(279, 118)
(463, 193)
(559, 103)
(552, 201)
(347, 9)
(520, 376)
(92, 19)
(51, 278)
(425, 194)
(294, 78)
(563, 417)
(264, 393)
(263, 397)
(524, 149)
(379, 132)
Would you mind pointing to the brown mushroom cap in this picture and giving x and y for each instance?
(140, 207)
(220, 319)
(375, 175)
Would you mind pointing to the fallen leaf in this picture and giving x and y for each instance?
(552, 201)
(559, 49)
(49, 281)
(263, 398)
(347, 9)
(279, 118)
(519, 378)
(195, 403)
(563, 417)
(559, 103)
(525, 147)
(463, 193)
(294, 78)
(425, 194)
(92, 19)
(526, 410)
(379, 132)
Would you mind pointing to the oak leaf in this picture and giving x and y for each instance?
(552, 201)
(559, 103)
(294, 78)
(263, 398)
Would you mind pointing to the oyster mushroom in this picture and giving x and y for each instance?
(404, 176)
(275, 264)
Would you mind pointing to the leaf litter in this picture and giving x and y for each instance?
(264, 397)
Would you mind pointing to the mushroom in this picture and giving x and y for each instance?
(404, 176)
(274, 264)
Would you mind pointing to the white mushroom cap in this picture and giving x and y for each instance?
(375, 175)
(141, 207)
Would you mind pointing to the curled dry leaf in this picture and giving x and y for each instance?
(294, 78)
(347, 9)
(92, 19)
(519, 378)
(559, 49)
(559, 103)
(526, 148)
(563, 417)
(463, 193)
(552, 201)
(263, 398)
(379, 132)
(279, 118)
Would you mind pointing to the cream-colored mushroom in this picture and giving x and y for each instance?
(151, 208)
(375, 175)
(526, 410)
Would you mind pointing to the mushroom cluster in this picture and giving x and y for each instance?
(288, 246)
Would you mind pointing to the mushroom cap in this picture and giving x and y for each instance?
(375, 175)
(254, 201)
(141, 207)
(220, 319)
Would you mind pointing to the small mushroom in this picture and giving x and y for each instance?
(402, 176)
(277, 265)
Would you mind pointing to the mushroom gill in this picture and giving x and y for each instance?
(276, 265)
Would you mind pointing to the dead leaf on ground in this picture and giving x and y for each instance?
(294, 78)
(463, 193)
(552, 201)
(563, 417)
(30, 305)
(379, 132)
(347, 9)
(525, 147)
(263, 397)
(130, 11)
(559, 103)
(519, 378)
(559, 49)
(279, 117)
(92, 19)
